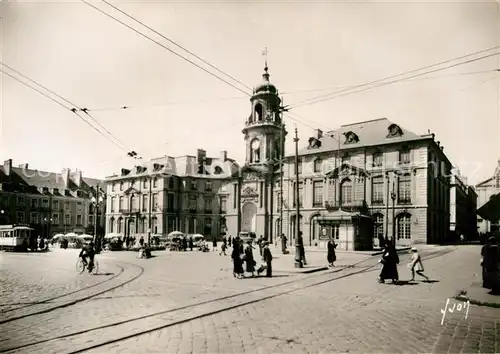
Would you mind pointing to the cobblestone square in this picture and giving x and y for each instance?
(189, 302)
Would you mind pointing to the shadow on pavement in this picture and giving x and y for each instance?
(104, 274)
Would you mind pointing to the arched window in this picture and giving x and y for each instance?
(258, 112)
(142, 225)
(315, 229)
(133, 203)
(346, 192)
(378, 226)
(119, 225)
(293, 231)
(111, 225)
(404, 226)
(255, 150)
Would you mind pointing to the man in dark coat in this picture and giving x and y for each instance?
(267, 258)
(390, 261)
(331, 256)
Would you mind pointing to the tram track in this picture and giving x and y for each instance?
(63, 295)
(72, 302)
(172, 317)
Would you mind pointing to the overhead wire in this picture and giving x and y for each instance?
(318, 98)
(390, 82)
(165, 47)
(175, 43)
(70, 107)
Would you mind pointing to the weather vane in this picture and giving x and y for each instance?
(264, 53)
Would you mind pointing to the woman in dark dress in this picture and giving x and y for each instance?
(331, 256)
(237, 262)
(390, 261)
(249, 261)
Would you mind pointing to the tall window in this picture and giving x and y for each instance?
(208, 204)
(377, 159)
(378, 190)
(193, 184)
(113, 187)
(145, 202)
(171, 184)
(119, 225)
(404, 189)
(404, 226)
(55, 219)
(155, 201)
(144, 183)
(208, 186)
(223, 205)
(133, 203)
(335, 231)
(191, 225)
(404, 156)
(192, 203)
(121, 186)
(170, 202)
(346, 192)
(318, 163)
(111, 225)
(34, 203)
(378, 226)
(34, 218)
(235, 195)
(155, 182)
(79, 220)
(318, 193)
(120, 203)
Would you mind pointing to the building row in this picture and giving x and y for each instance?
(358, 184)
(51, 202)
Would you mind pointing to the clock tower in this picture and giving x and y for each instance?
(264, 135)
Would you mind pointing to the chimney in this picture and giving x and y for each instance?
(201, 155)
(223, 156)
(318, 133)
(7, 166)
(442, 148)
(65, 176)
(439, 143)
(23, 166)
(77, 177)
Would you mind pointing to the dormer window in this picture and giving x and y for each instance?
(314, 143)
(404, 156)
(351, 138)
(217, 170)
(125, 172)
(394, 131)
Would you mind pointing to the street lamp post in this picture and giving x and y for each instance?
(386, 211)
(96, 202)
(393, 197)
(298, 246)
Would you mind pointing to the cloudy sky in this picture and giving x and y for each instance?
(314, 48)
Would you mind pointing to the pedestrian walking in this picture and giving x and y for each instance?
(283, 243)
(302, 249)
(249, 260)
(141, 241)
(390, 261)
(267, 257)
(331, 256)
(222, 249)
(214, 244)
(191, 243)
(229, 239)
(237, 261)
(416, 265)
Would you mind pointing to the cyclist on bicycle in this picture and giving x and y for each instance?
(88, 251)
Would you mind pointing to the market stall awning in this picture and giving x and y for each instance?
(491, 210)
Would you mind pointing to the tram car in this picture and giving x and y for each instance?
(15, 237)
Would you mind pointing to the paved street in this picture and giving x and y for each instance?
(190, 302)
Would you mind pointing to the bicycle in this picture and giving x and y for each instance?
(80, 267)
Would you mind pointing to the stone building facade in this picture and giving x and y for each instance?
(168, 194)
(486, 190)
(49, 202)
(359, 183)
(463, 205)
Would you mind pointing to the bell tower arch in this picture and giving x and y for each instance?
(263, 127)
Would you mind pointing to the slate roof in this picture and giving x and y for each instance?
(30, 181)
(370, 133)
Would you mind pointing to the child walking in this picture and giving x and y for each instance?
(416, 265)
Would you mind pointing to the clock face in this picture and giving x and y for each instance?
(255, 144)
